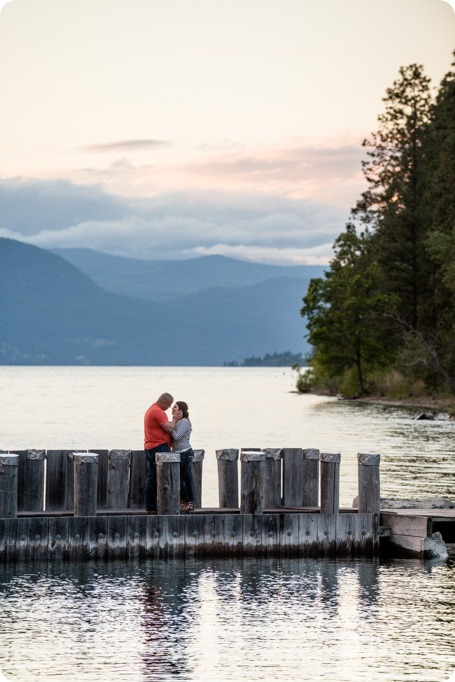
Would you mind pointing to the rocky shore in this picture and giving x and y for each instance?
(427, 503)
(429, 405)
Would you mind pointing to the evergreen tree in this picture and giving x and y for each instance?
(388, 300)
(343, 314)
(440, 190)
(431, 348)
(391, 205)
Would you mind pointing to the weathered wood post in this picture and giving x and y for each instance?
(369, 485)
(228, 482)
(103, 463)
(118, 479)
(168, 482)
(252, 482)
(59, 480)
(9, 464)
(138, 475)
(196, 470)
(85, 483)
(330, 482)
(310, 481)
(272, 478)
(292, 477)
(34, 480)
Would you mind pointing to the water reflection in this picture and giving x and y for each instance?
(266, 619)
(165, 614)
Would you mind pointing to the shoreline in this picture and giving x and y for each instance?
(445, 405)
(423, 403)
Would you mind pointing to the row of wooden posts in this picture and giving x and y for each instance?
(86, 483)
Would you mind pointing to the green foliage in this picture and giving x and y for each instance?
(392, 205)
(285, 359)
(387, 303)
(305, 379)
(345, 309)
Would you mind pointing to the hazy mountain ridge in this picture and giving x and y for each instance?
(51, 313)
(166, 280)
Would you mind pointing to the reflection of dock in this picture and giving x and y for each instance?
(411, 531)
(61, 504)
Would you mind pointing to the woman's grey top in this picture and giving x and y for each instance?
(181, 435)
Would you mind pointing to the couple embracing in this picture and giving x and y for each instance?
(162, 434)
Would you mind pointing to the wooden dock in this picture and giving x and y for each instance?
(207, 533)
(413, 532)
(62, 504)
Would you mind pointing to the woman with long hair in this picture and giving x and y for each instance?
(181, 443)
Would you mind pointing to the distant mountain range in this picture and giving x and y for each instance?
(167, 280)
(79, 306)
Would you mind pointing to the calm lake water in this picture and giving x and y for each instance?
(266, 620)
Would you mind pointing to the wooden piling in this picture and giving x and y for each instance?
(272, 478)
(59, 480)
(310, 479)
(228, 483)
(118, 479)
(9, 464)
(369, 485)
(85, 483)
(21, 478)
(292, 477)
(252, 482)
(330, 482)
(103, 463)
(168, 482)
(137, 479)
(196, 469)
(34, 480)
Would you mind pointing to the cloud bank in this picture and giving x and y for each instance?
(280, 204)
(271, 228)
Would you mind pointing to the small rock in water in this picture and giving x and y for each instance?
(436, 547)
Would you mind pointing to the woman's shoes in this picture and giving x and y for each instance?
(186, 507)
(190, 507)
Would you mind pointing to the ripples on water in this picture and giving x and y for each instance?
(229, 620)
(417, 457)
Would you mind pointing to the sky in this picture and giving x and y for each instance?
(168, 129)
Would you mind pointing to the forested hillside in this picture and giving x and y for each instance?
(382, 319)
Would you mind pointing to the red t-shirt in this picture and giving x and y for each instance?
(154, 435)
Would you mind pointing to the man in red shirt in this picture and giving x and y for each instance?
(157, 438)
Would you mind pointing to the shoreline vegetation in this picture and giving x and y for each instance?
(432, 404)
(270, 360)
(381, 320)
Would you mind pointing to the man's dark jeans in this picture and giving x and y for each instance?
(150, 482)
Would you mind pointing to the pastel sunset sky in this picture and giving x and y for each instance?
(176, 128)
